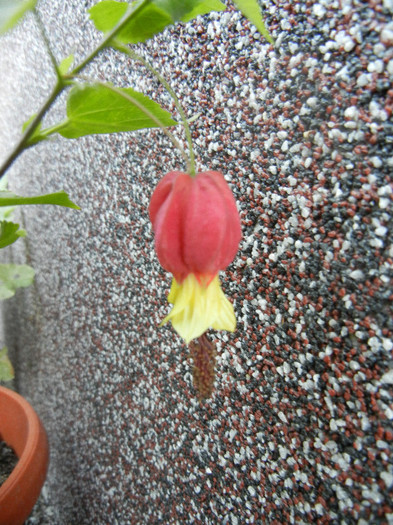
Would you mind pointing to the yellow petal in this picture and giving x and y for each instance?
(197, 307)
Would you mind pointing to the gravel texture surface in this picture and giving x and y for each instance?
(299, 427)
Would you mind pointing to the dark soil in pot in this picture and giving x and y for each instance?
(8, 461)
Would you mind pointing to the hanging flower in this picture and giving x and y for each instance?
(197, 234)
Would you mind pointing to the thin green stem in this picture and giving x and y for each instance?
(47, 44)
(161, 79)
(47, 132)
(142, 108)
(132, 11)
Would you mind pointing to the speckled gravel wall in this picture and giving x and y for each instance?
(299, 428)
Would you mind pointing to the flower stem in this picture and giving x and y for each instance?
(161, 79)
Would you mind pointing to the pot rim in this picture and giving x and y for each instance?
(22, 430)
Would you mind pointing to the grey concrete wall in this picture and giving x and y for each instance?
(299, 428)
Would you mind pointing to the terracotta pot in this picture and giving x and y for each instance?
(22, 430)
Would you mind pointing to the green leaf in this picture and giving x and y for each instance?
(13, 276)
(252, 11)
(96, 108)
(107, 14)
(59, 198)
(185, 10)
(9, 233)
(146, 23)
(11, 11)
(151, 19)
(202, 8)
(6, 368)
(66, 64)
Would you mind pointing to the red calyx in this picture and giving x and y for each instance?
(195, 222)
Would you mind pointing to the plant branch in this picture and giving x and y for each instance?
(23, 143)
(60, 85)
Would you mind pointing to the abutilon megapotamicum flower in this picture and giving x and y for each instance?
(197, 233)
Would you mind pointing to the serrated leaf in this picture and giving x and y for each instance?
(9, 233)
(107, 14)
(14, 276)
(11, 11)
(151, 19)
(95, 108)
(66, 64)
(143, 25)
(252, 11)
(6, 368)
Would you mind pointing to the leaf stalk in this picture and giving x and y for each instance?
(167, 86)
